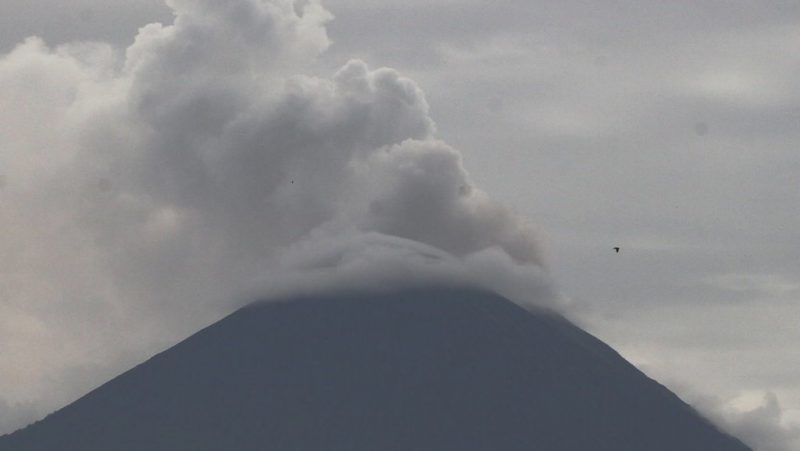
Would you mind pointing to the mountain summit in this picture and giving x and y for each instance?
(437, 369)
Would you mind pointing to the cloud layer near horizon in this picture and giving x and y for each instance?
(148, 190)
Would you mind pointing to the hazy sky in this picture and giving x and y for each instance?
(669, 129)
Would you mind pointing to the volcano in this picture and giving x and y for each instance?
(417, 370)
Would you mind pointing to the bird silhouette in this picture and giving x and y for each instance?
(616, 249)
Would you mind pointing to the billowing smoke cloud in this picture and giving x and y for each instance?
(146, 191)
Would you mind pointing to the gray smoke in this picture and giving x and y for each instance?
(147, 191)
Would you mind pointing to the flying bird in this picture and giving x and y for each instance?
(616, 249)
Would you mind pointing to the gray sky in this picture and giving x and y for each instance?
(666, 128)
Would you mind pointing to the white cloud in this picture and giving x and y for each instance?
(147, 191)
(761, 425)
(16, 415)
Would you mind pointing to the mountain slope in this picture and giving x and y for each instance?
(434, 370)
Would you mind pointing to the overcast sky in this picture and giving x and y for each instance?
(669, 129)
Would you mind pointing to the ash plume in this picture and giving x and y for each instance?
(146, 190)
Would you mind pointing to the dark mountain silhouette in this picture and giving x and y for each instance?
(420, 370)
